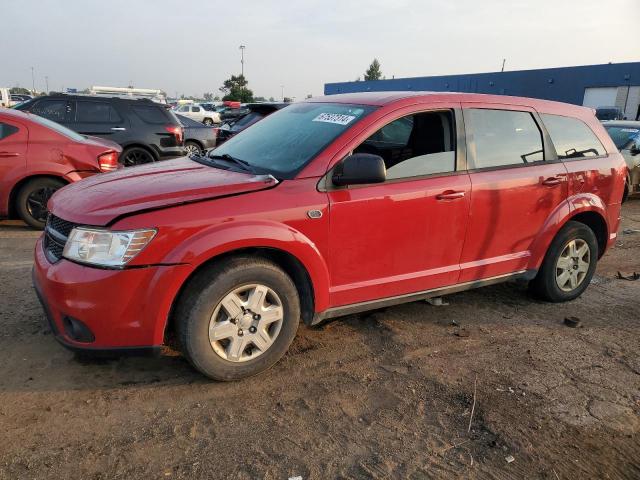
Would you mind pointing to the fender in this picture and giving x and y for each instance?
(224, 238)
(572, 206)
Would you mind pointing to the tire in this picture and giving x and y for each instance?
(31, 201)
(202, 306)
(627, 189)
(208, 122)
(133, 156)
(547, 283)
(192, 147)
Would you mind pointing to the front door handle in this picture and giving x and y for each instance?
(118, 129)
(551, 182)
(449, 195)
(9, 154)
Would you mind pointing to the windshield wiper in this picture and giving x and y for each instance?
(242, 163)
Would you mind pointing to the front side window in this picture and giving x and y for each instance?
(415, 145)
(95, 112)
(572, 137)
(7, 130)
(55, 110)
(500, 138)
(287, 140)
(184, 108)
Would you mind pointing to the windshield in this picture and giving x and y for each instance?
(57, 127)
(287, 140)
(622, 136)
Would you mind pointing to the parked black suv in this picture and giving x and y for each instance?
(147, 131)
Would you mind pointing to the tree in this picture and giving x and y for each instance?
(235, 89)
(208, 96)
(374, 72)
(19, 91)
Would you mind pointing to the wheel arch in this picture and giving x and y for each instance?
(196, 141)
(12, 213)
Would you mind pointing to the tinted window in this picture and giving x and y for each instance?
(247, 120)
(623, 137)
(96, 112)
(415, 145)
(287, 140)
(572, 137)
(503, 137)
(7, 130)
(150, 114)
(55, 110)
(195, 109)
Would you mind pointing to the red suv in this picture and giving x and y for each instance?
(38, 156)
(328, 207)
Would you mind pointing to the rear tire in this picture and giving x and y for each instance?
(568, 266)
(221, 345)
(133, 156)
(192, 147)
(31, 201)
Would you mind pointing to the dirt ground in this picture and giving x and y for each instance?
(387, 394)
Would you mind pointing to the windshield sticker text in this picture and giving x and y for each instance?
(336, 118)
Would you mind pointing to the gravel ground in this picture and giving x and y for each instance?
(388, 394)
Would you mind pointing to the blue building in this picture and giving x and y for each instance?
(613, 84)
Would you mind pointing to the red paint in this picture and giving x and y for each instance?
(371, 242)
(36, 150)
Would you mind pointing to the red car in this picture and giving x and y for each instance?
(328, 207)
(38, 156)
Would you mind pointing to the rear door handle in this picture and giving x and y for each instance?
(551, 182)
(118, 129)
(449, 195)
(9, 154)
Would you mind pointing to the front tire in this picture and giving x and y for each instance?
(31, 201)
(237, 317)
(569, 264)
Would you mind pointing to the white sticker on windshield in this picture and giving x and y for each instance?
(336, 118)
(629, 130)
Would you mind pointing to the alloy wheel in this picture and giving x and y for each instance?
(246, 322)
(136, 156)
(37, 203)
(572, 265)
(192, 148)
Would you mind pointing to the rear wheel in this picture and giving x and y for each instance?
(569, 264)
(192, 148)
(31, 201)
(237, 317)
(207, 121)
(136, 156)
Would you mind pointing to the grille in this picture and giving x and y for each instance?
(56, 233)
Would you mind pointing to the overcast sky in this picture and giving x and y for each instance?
(191, 46)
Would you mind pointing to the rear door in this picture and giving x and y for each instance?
(517, 182)
(99, 118)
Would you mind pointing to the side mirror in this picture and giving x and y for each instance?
(359, 169)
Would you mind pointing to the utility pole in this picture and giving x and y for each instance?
(46, 82)
(33, 81)
(282, 87)
(503, 61)
(242, 47)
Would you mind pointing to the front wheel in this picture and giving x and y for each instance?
(237, 318)
(569, 264)
(32, 199)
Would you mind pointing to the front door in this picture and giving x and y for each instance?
(516, 184)
(404, 235)
(99, 118)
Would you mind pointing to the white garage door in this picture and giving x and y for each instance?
(600, 97)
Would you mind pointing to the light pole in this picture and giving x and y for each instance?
(282, 88)
(242, 47)
(33, 81)
(46, 82)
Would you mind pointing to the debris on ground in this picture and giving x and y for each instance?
(510, 459)
(632, 277)
(630, 231)
(572, 322)
(437, 302)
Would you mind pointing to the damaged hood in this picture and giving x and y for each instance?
(99, 199)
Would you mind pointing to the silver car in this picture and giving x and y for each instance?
(626, 136)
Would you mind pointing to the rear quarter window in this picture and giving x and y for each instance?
(150, 114)
(571, 137)
(7, 130)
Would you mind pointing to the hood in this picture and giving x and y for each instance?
(99, 199)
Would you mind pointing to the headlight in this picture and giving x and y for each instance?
(104, 247)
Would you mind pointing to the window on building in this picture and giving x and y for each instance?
(571, 137)
(501, 138)
(415, 145)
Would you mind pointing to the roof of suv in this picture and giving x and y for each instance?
(385, 98)
(100, 97)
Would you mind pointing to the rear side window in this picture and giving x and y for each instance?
(195, 109)
(96, 112)
(7, 130)
(503, 138)
(150, 114)
(55, 110)
(572, 137)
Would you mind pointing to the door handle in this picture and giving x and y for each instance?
(449, 195)
(9, 154)
(118, 129)
(551, 182)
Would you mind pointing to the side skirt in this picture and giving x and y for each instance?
(523, 275)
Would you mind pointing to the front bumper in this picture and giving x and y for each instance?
(125, 311)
